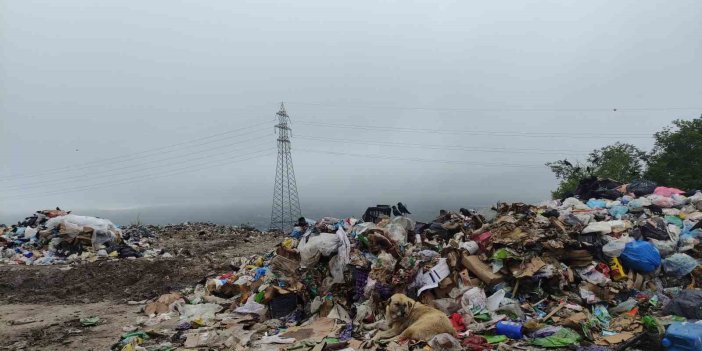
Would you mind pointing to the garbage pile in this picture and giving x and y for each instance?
(59, 237)
(203, 230)
(615, 267)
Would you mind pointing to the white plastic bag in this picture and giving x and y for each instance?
(104, 231)
(470, 246)
(101, 237)
(661, 201)
(83, 221)
(575, 204)
(474, 297)
(361, 228)
(598, 227)
(336, 269)
(664, 247)
(584, 218)
(614, 248)
(592, 275)
(204, 311)
(30, 232)
(344, 247)
(316, 246)
(448, 306)
(493, 302)
(252, 307)
(639, 203)
(445, 342)
(397, 233)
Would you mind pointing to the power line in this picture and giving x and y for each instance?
(423, 159)
(448, 147)
(109, 171)
(163, 167)
(146, 163)
(471, 132)
(503, 109)
(191, 168)
(91, 164)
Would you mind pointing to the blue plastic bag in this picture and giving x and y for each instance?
(679, 264)
(618, 211)
(260, 272)
(594, 203)
(641, 256)
(688, 231)
(296, 232)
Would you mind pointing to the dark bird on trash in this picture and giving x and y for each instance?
(396, 212)
(403, 208)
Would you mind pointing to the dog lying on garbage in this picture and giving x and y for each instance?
(413, 320)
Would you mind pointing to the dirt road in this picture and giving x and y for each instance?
(41, 306)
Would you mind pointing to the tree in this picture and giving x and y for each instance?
(619, 161)
(676, 158)
(569, 176)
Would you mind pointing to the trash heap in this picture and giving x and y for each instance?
(59, 237)
(185, 230)
(614, 267)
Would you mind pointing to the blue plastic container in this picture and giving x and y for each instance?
(683, 336)
(511, 330)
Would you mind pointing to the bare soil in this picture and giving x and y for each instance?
(40, 306)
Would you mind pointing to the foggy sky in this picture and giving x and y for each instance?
(82, 81)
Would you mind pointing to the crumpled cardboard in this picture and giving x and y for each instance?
(481, 270)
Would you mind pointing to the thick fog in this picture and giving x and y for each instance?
(163, 111)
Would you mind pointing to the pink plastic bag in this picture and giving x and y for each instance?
(667, 192)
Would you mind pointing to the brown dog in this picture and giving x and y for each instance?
(413, 320)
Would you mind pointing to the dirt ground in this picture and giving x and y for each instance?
(40, 306)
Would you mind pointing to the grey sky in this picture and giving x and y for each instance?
(82, 80)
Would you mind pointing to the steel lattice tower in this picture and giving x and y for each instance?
(286, 204)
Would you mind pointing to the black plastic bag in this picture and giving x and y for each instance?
(641, 187)
(599, 188)
(655, 228)
(687, 304)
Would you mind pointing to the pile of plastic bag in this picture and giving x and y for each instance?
(58, 237)
(588, 273)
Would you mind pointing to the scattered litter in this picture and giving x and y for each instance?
(50, 237)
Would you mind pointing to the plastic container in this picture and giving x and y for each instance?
(683, 336)
(511, 330)
(373, 213)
